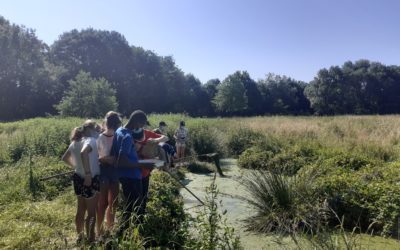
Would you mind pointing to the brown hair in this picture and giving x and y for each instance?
(112, 120)
(79, 132)
(137, 116)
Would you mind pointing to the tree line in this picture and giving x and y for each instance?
(88, 72)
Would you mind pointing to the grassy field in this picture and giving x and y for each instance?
(358, 156)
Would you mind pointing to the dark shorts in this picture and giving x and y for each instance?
(108, 174)
(84, 191)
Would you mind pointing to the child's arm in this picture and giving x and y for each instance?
(86, 164)
(110, 160)
(126, 163)
(67, 158)
(158, 138)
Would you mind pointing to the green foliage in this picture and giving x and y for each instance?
(165, 221)
(238, 140)
(25, 177)
(283, 205)
(87, 97)
(362, 87)
(266, 154)
(363, 193)
(255, 158)
(211, 231)
(26, 87)
(283, 95)
(205, 139)
(231, 97)
(36, 137)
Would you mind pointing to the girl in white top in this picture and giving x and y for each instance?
(109, 185)
(83, 156)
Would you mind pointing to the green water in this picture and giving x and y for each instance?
(230, 191)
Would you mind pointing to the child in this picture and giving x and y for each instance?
(82, 155)
(109, 184)
(149, 137)
(129, 169)
(181, 136)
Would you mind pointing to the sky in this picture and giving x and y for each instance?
(214, 38)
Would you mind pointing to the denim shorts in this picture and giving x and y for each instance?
(108, 174)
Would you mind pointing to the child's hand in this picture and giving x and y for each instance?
(152, 141)
(107, 160)
(88, 181)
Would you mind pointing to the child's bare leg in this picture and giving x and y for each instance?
(101, 207)
(80, 216)
(112, 204)
(91, 205)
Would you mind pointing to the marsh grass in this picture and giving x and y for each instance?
(40, 215)
(283, 205)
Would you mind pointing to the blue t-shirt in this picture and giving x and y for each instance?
(123, 145)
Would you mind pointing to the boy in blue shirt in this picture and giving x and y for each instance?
(129, 169)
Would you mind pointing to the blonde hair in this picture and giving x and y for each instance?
(79, 132)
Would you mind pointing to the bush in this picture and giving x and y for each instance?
(271, 156)
(205, 139)
(362, 191)
(165, 221)
(238, 140)
(255, 158)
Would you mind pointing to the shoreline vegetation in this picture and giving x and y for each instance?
(349, 164)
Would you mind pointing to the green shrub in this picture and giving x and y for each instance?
(165, 221)
(270, 156)
(205, 139)
(255, 158)
(238, 140)
(362, 192)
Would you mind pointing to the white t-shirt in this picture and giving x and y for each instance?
(104, 144)
(75, 148)
(181, 135)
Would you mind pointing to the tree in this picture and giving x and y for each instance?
(283, 95)
(87, 97)
(231, 98)
(197, 101)
(332, 93)
(252, 92)
(362, 87)
(26, 88)
(101, 53)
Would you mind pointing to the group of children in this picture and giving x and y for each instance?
(106, 157)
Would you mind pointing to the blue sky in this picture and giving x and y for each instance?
(214, 38)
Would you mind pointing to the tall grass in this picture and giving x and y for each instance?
(30, 149)
(284, 205)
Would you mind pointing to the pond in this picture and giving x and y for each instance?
(230, 193)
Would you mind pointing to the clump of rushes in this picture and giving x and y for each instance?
(283, 205)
